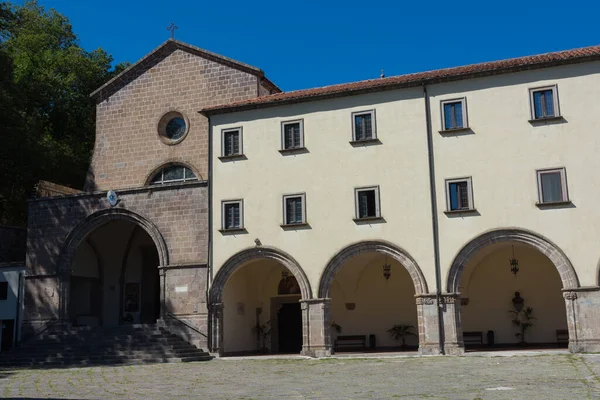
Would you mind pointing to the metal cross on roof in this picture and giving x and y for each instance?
(172, 28)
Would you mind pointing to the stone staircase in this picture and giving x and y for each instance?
(85, 346)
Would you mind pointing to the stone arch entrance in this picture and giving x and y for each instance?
(407, 295)
(510, 238)
(149, 248)
(280, 265)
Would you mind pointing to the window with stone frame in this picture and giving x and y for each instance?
(367, 202)
(459, 194)
(363, 126)
(454, 114)
(294, 209)
(552, 186)
(292, 135)
(232, 214)
(544, 102)
(231, 142)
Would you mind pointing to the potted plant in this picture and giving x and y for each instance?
(262, 335)
(401, 332)
(523, 320)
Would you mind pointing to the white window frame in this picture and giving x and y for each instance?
(287, 196)
(373, 125)
(241, 137)
(563, 184)
(469, 182)
(532, 91)
(240, 202)
(357, 205)
(463, 101)
(283, 125)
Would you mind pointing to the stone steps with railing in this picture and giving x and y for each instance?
(85, 346)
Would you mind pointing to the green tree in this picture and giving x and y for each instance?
(47, 118)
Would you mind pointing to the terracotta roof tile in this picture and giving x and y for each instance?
(416, 79)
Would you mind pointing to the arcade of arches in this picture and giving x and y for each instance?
(114, 277)
(356, 299)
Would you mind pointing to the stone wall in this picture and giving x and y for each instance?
(128, 148)
(178, 216)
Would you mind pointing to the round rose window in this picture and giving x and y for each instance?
(172, 127)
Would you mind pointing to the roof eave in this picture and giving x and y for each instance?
(225, 109)
(190, 49)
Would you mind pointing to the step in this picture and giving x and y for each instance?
(63, 363)
(111, 357)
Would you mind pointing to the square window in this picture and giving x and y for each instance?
(292, 135)
(544, 102)
(459, 194)
(552, 185)
(363, 125)
(231, 142)
(367, 202)
(232, 212)
(454, 114)
(294, 209)
(3, 290)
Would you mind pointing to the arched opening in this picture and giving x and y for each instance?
(510, 284)
(260, 291)
(372, 286)
(113, 277)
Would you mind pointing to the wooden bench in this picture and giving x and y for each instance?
(356, 341)
(562, 336)
(472, 338)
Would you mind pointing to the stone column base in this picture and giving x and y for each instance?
(316, 321)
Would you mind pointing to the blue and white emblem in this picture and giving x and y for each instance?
(112, 197)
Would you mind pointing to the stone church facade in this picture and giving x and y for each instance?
(133, 152)
(246, 219)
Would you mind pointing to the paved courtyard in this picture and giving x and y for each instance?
(520, 377)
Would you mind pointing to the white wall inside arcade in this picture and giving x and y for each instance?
(489, 285)
(379, 303)
(252, 286)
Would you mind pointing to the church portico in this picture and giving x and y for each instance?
(96, 264)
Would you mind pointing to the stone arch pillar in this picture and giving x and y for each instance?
(236, 261)
(87, 226)
(568, 276)
(426, 309)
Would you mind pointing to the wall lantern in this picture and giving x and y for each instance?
(387, 269)
(514, 263)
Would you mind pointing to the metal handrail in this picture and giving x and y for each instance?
(186, 324)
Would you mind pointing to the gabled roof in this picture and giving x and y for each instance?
(168, 47)
(411, 80)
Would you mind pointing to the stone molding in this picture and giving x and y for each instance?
(557, 257)
(256, 253)
(376, 246)
(93, 221)
(570, 295)
(425, 299)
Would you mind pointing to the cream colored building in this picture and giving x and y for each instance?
(342, 211)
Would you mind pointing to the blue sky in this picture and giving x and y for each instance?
(308, 43)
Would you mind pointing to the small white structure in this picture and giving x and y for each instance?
(11, 303)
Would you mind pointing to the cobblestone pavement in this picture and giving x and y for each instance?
(520, 377)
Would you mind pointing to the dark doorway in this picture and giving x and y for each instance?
(289, 320)
(8, 328)
(150, 310)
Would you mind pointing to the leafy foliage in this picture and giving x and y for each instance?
(401, 332)
(47, 117)
(523, 320)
